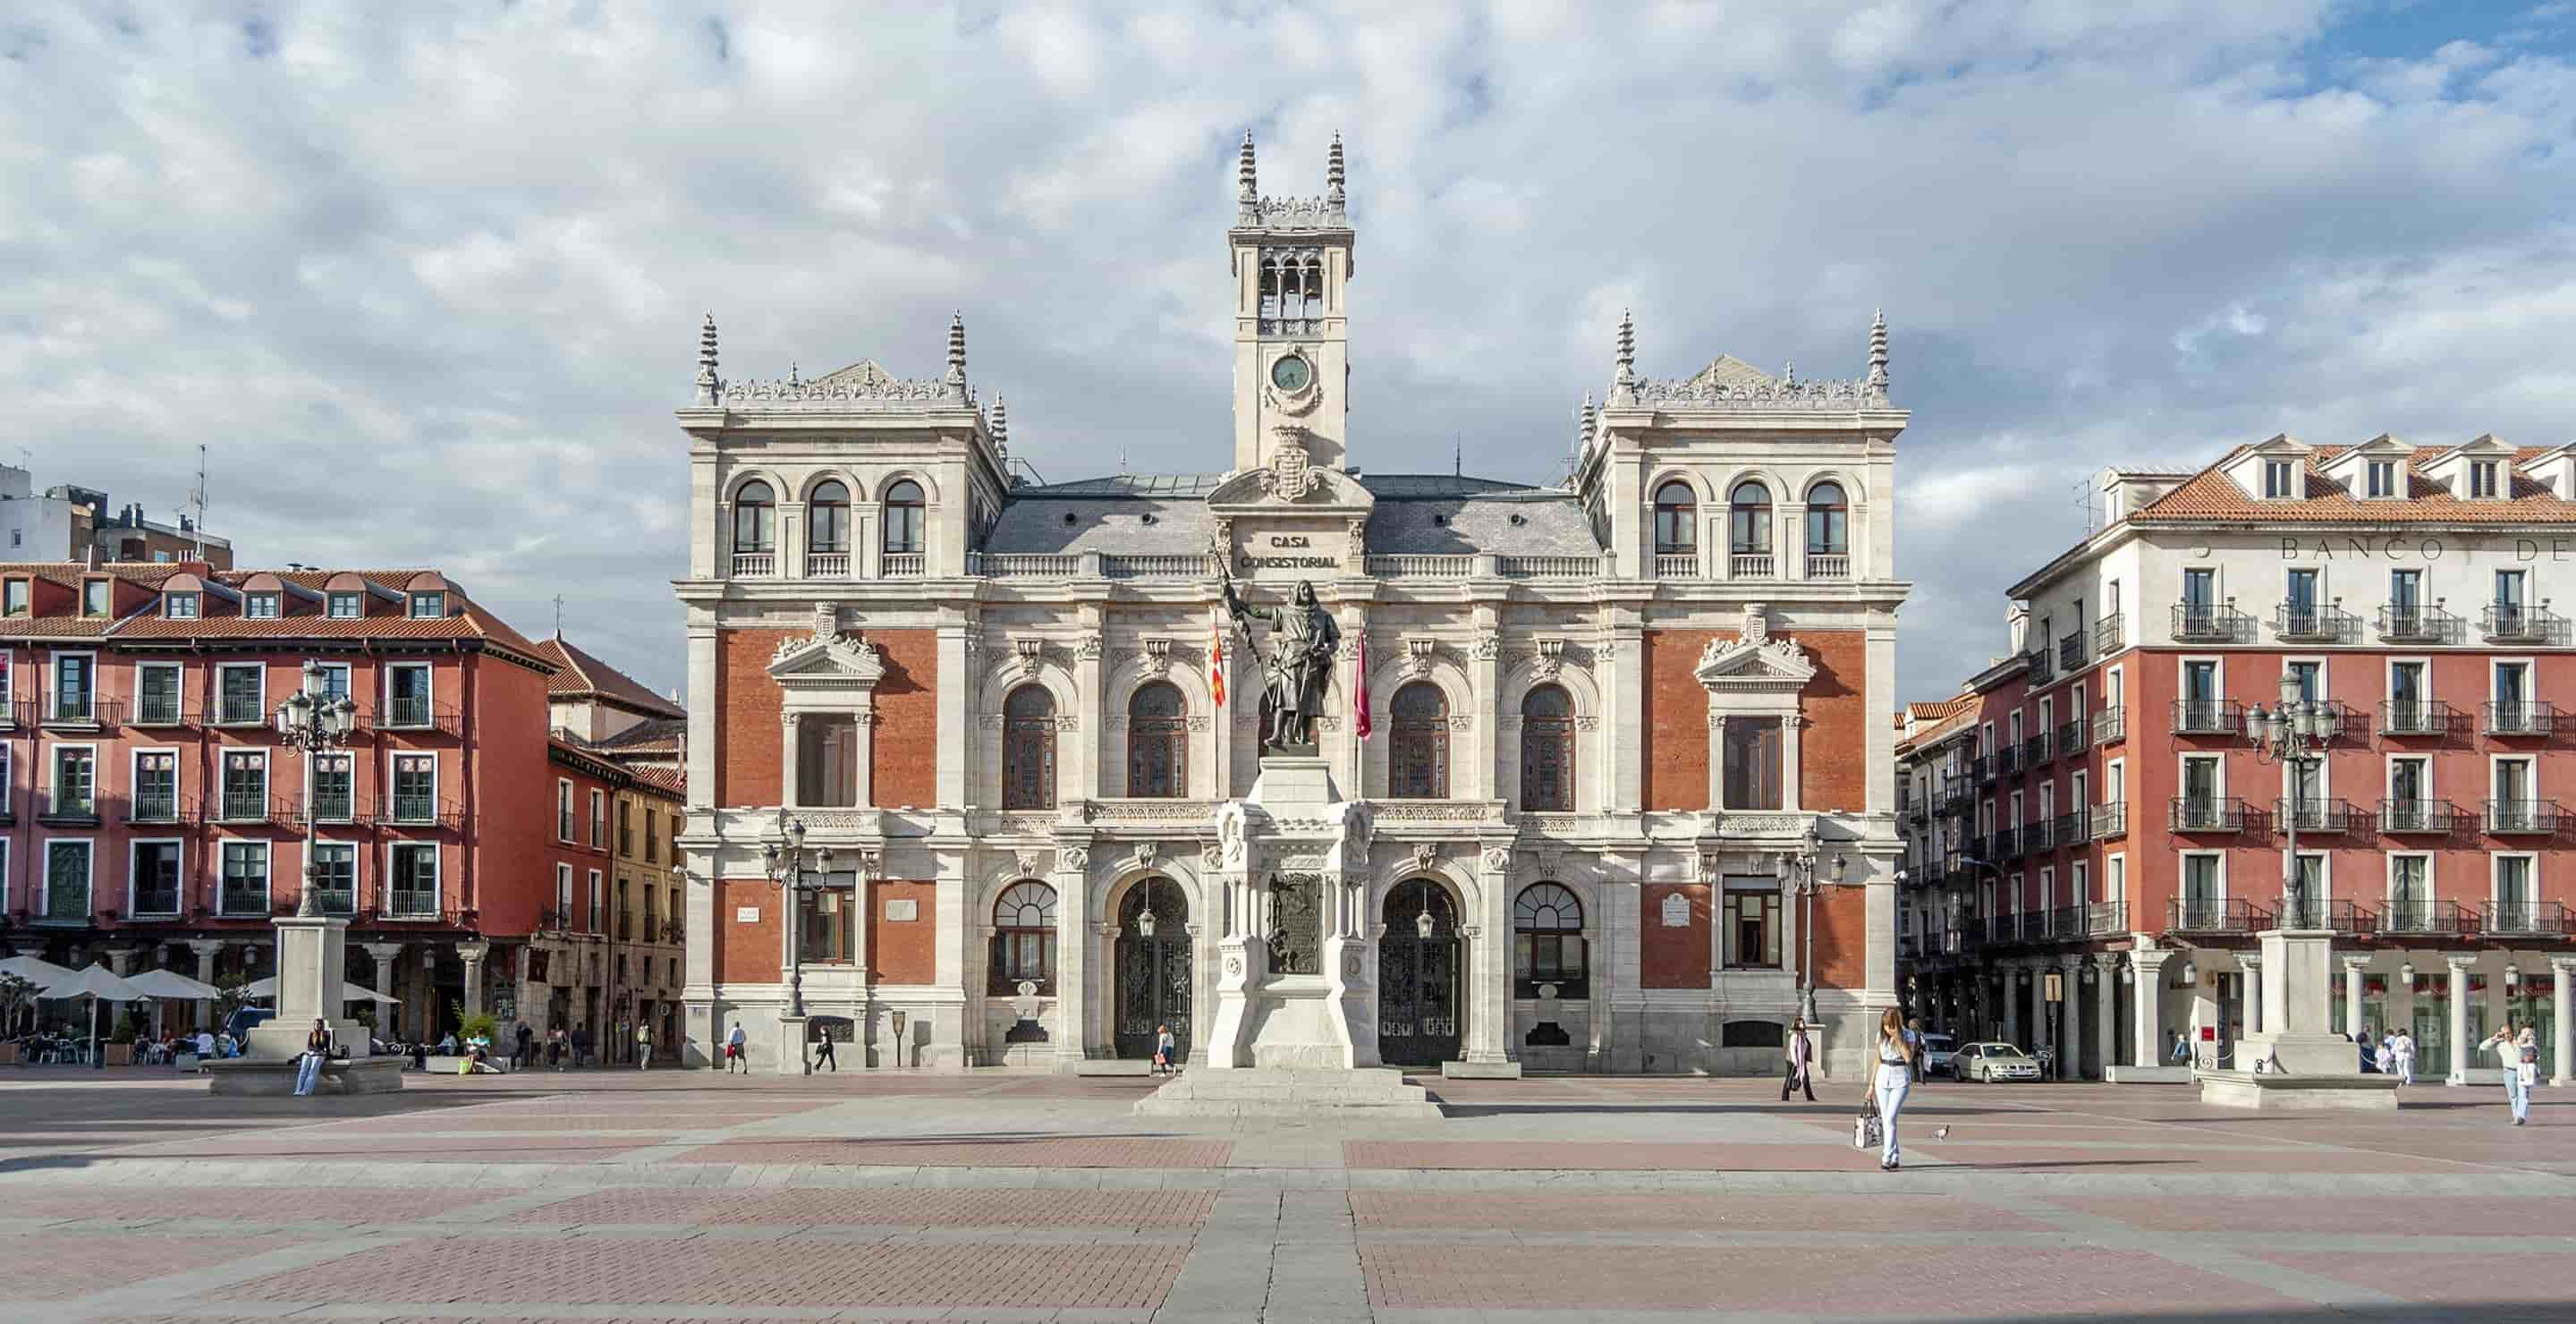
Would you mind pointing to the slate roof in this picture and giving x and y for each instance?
(579, 675)
(1154, 514)
(2211, 494)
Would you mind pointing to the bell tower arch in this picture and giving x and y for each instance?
(1292, 262)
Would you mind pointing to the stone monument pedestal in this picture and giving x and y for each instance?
(312, 951)
(2304, 1063)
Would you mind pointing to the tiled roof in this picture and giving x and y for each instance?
(580, 675)
(304, 617)
(2211, 494)
(654, 735)
(671, 780)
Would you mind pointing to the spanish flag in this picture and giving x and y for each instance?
(1216, 660)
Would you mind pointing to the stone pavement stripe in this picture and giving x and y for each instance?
(1315, 1266)
(155, 1293)
(2219, 1255)
(1226, 1279)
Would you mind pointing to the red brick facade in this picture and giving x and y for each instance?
(903, 951)
(747, 732)
(1676, 726)
(1672, 956)
(906, 741)
(747, 951)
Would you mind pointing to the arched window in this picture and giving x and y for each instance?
(1547, 941)
(1023, 939)
(1828, 521)
(1158, 743)
(755, 518)
(903, 518)
(1028, 749)
(1314, 287)
(828, 519)
(1749, 519)
(1676, 519)
(1269, 287)
(1547, 751)
(1420, 767)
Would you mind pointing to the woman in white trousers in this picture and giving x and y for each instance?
(1889, 1083)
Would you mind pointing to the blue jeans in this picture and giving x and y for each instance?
(2517, 1093)
(308, 1073)
(1892, 1086)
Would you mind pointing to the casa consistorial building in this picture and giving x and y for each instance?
(1612, 726)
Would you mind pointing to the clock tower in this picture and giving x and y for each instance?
(1292, 262)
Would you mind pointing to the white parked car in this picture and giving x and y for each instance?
(1988, 1063)
(1939, 1054)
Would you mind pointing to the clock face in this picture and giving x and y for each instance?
(1291, 373)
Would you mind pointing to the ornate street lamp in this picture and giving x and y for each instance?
(315, 723)
(1796, 871)
(2294, 733)
(787, 868)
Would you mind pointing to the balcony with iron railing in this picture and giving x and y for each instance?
(2110, 634)
(2524, 918)
(2207, 717)
(239, 898)
(2322, 814)
(2069, 829)
(2310, 912)
(2035, 751)
(2414, 623)
(73, 807)
(1981, 769)
(2110, 819)
(2071, 652)
(415, 712)
(2416, 717)
(82, 711)
(2039, 835)
(153, 806)
(2420, 915)
(2309, 623)
(2008, 760)
(2210, 915)
(161, 710)
(2520, 623)
(2206, 813)
(1954, 797)
(2521, 717)
(2110, 726)
(2416, 817)
(2043, 666)
(2008, 843)
(2106, 919)
(2524, 818)
(253, 807)
(2070, 737)
(2211, 623)
(338, 804)
(241, 710)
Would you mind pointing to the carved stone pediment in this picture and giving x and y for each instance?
(825, 657)
(1290, 480)
(1756, 659)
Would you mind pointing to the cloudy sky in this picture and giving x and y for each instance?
(426, 278)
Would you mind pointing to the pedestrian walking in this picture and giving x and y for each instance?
(523, 1051)
(2182, 1046)
(1888, 1086)
(1163, 1051)
(2518, 1052)
(581, 1045)
(733, 1050)
(643, 1047)
(555, 1048)
(1914, 1036)
(1795, 1062)
(823, 1053)
(2401, 1054)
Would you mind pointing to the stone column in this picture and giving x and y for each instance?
(120, 960)
(207, 949)
(2070, 1052)
(2147, 1044)
(2251, 994)
(2563, 973)
(2460, 1047)
(956, 724)
(787, 760)
(474, 953)
(1093, 780)
(2106, 1009)
(1488, 960)
(2012, 1004)
(2352, 980)
(1072, 1028)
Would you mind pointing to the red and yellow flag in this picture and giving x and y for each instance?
(1216, 661)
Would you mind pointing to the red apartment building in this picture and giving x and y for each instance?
(155, 819)
(2090, 807)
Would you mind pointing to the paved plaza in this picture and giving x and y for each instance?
(996, 1196)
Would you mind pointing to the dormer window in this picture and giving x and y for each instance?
(2483, 485)
(16, 597)
(429, 605)
(179, 606)
(260, 606)
(347, 606)
(94, 598)
(2279, 483)
(2381, 479)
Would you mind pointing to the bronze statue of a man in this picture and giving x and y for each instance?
(1296, 668)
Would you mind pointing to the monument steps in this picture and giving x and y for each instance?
(1367, 1092)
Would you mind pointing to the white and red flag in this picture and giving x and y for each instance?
(1359, 692)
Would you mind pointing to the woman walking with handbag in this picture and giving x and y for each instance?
(1894, 1077)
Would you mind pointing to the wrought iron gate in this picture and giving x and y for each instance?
(1153, 968)
(1418, 978)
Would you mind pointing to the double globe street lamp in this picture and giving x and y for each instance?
(787, 868)
(1796, 871)
(314, 722)
(2294, 733)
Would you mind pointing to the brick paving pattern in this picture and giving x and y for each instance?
(280, 1204)
(789, 1272)
(63, 1266)
(883, 1207)
(1606, 1156)
(2455, 1216)
(1392, 1210)
(999, 1152)
(2480, 1285)
(404, 1144)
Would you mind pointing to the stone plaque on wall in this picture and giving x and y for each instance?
(1676, 910)
(1296, 934)
(746, 914)
(902, 910)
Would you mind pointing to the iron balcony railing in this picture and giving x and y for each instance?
(2415, 816)
(2521, 717)
(2106, 919)
(2312, 814)
(2008, 760)
(155, 806)
(2039, 834)
(2110, 726)
(2416, 623)
(2514, 622)
(1954, 797)
(2305, 621)
(2043, 666)
(152, 709)
(2523, 817)
(2207, 813)
(2210, 623)
(249, 807)
(2008, 844)
(2034, 751)
(2207, 717)
(334, 804)
(2519, 918)
(2070, 738)
(2415, 717)
(2070, 652)
(239, 899)
(2070, 828)
(2422, 915)
(2211, 915)
(2110, 819)
(1981, 768)
(2110, 634)
(409, 711)
(2309, 912)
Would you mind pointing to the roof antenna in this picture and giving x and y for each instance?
(197, 498)
(559, 616)
(1457, 456)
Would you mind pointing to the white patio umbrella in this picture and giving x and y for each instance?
(35, 970)
(163, 985)
(350, 989)
(95, 983)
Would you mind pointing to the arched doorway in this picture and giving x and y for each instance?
(1419, 977)
(1153, 967)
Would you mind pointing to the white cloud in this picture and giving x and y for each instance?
(428, 279)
